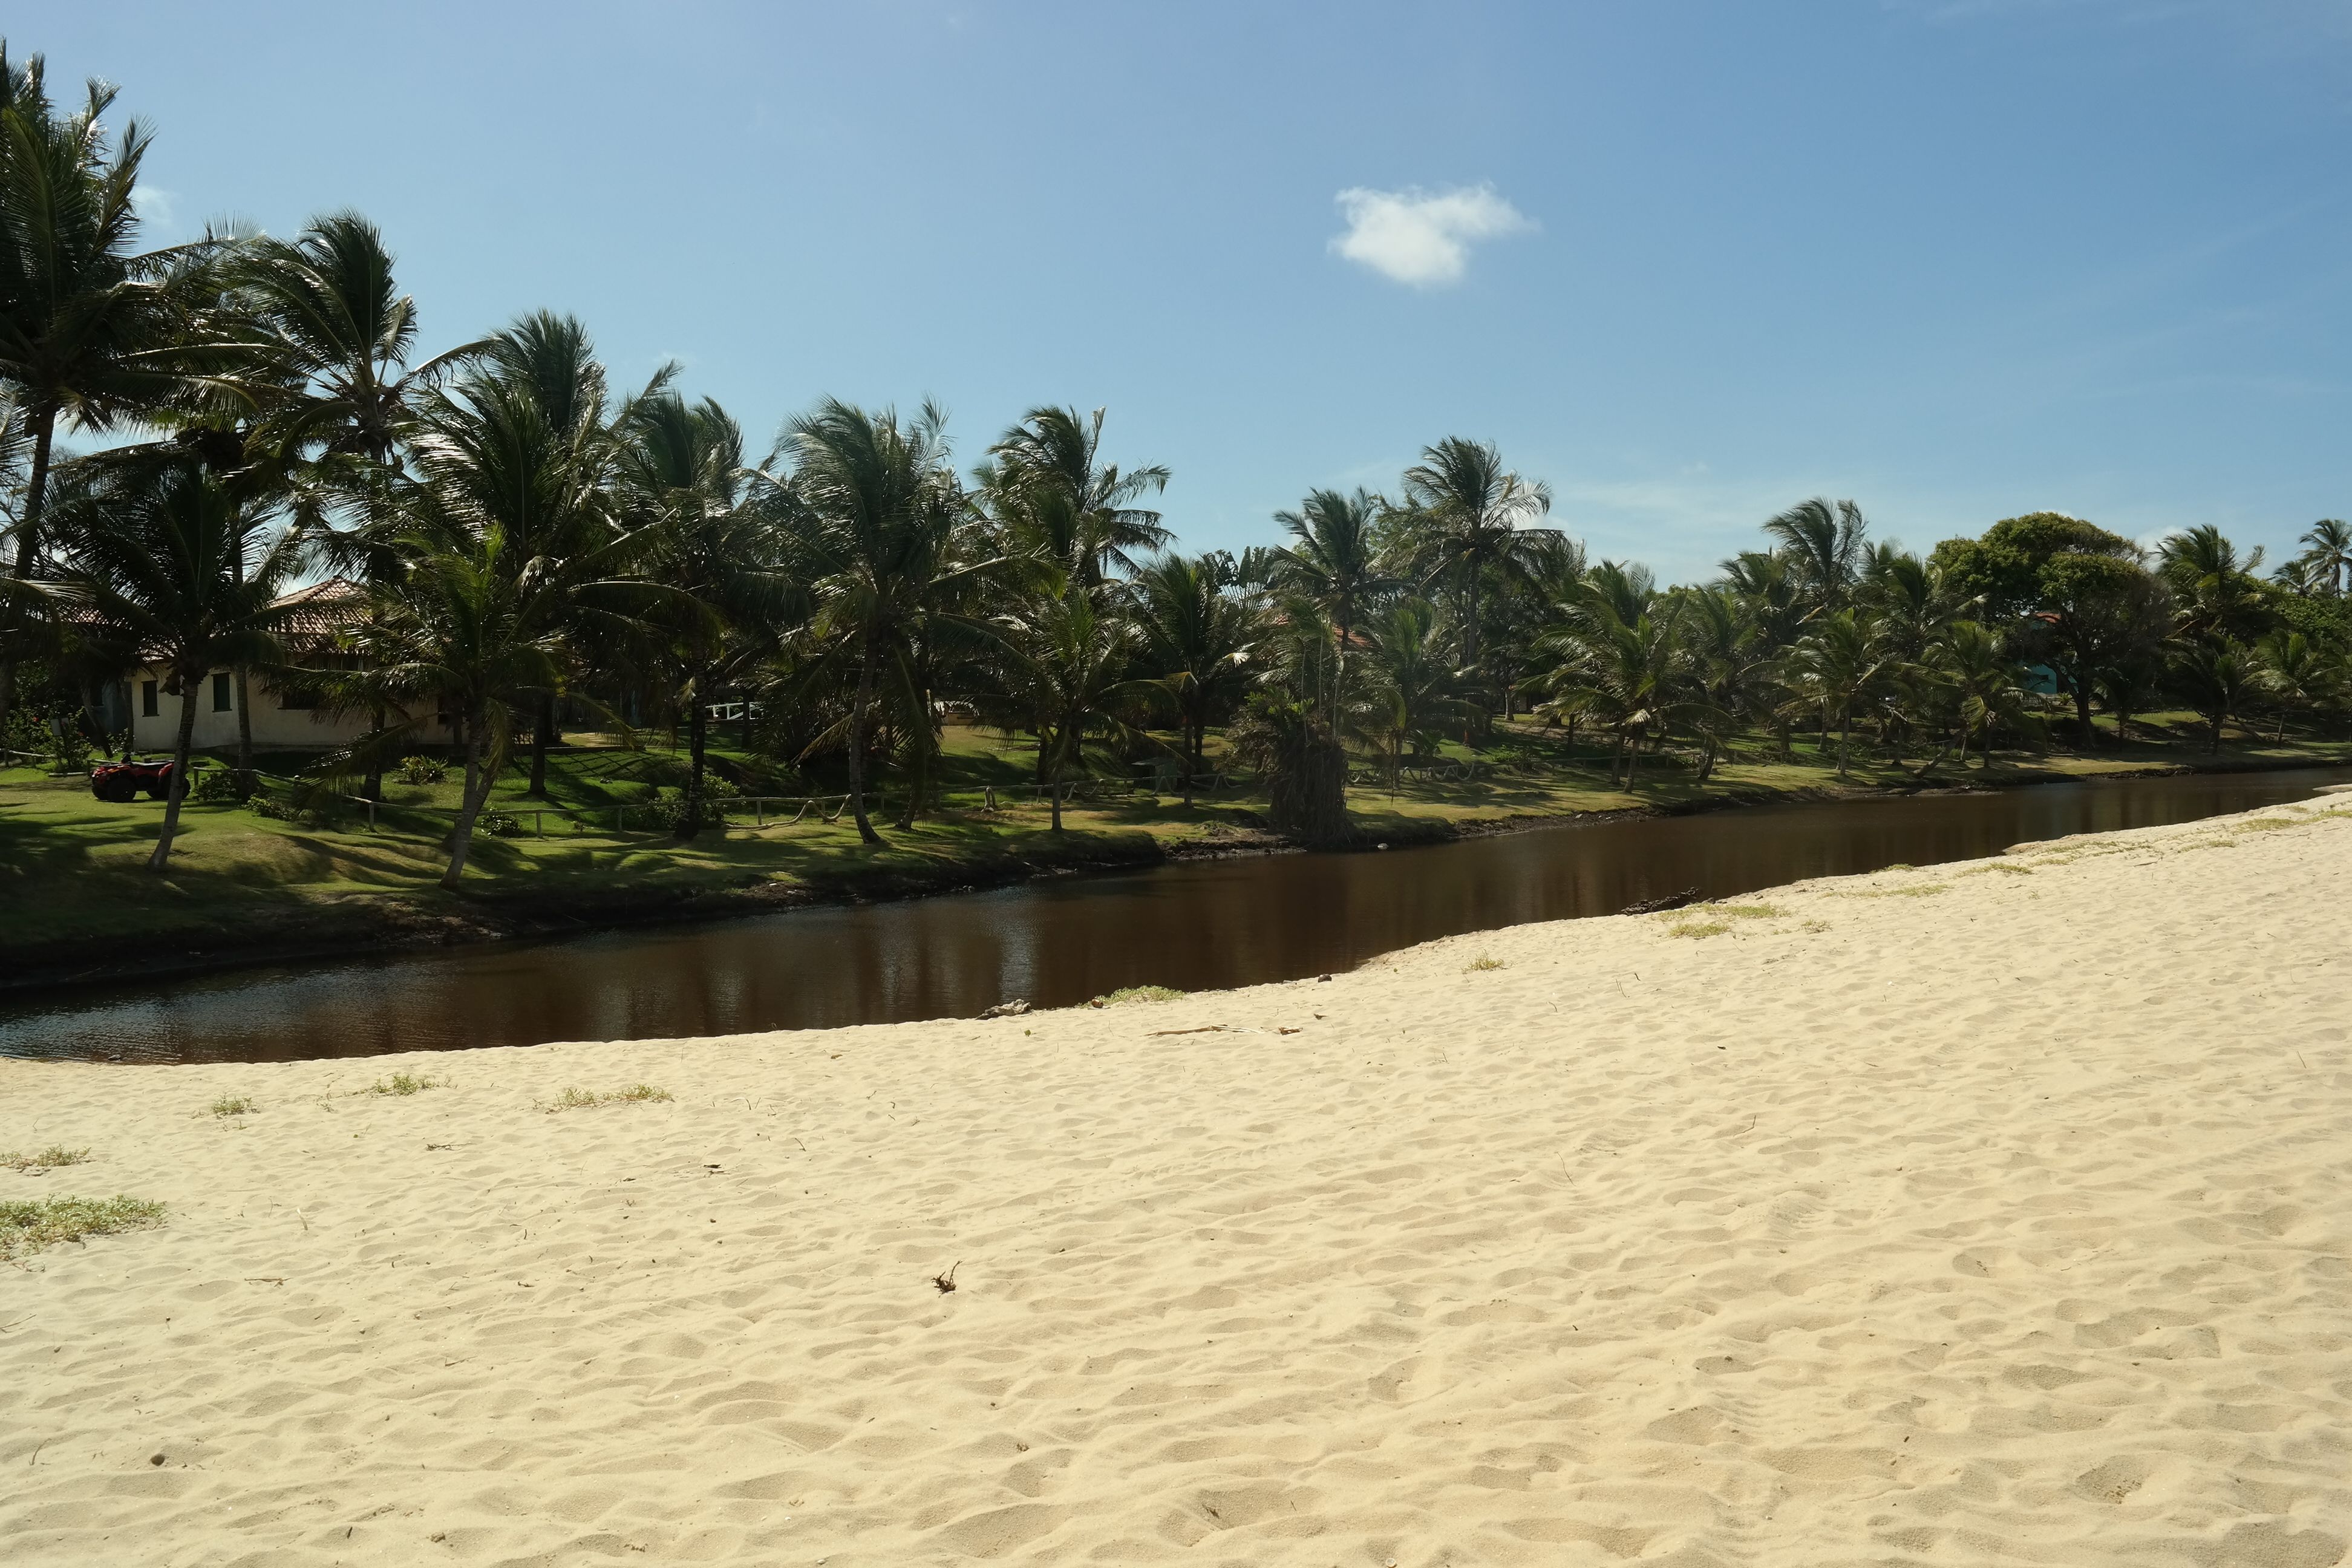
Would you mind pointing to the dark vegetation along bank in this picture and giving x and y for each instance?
(453, 636)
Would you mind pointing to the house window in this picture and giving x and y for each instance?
(148, 707)
(298, 702)
(223, 693)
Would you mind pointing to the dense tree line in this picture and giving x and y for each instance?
(526, 534)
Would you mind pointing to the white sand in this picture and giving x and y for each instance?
(2007, 1225)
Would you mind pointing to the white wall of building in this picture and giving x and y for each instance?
(276, 727)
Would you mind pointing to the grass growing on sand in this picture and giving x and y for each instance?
(232, 1105)
(583, 1099)
(1482, 963)
(1700, 929)
(26, 1228)
(1120, 999)
(402, 1083)
(1922, 890)
(48, 1159)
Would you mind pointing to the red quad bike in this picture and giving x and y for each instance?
(122, 781)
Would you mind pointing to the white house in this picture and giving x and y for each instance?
(281, 721)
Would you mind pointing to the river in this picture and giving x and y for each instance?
(1196, 925)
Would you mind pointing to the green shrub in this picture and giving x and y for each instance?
(26, 1228)
(419, 769)
(264, 803)
(212, 786)
(48, 1159)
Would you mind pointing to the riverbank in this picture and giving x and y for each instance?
(76, 909)
(1980, 1213)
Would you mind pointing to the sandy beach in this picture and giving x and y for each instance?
(1991, 1213)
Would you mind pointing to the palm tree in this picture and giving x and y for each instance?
(473, 629)
(1303, 764)
(1473, 519)
(881, 540)
(681, 471)
(1827, 547)
(1198, 639)
(1051, 479)
(2213, 585)
(2330, 540)
(1072, 673)
(1626, 676)
(90, 331)
(1720, 645)
(2217, 674)
(1834, 667)
(1988, 687)
(169, 570)
(336, 345)
(1334, 560)
(509, 558)
(1413, 692)
(2299, 672)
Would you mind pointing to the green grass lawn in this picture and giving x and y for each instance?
(72, 882)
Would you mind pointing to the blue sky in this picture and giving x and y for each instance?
(1957, 260)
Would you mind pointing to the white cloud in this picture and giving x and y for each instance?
(1423, 238)
(151, 204)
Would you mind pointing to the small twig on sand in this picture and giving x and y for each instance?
(1203, 1029)
(945, 1283)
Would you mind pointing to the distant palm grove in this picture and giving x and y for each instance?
(523, 538)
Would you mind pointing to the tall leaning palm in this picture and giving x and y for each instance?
(1477, 521)
(1334, 560)
(90, 328)
(681, 471)
(879, 539)
(170, 569)
(336, 345)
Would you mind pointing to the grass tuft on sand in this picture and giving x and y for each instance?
(402, 1083)
(1482, 963)
(26, 1228)
(1700, 929)
(1130, 994)
(584, 1100)
(233, 1105)
(48, 1159)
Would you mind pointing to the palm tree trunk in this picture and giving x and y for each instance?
(857, 726)
(244, 780)
(1053, 791)
(1845, 741)
(181, 747)
(542, 727)
(697, 726)
(45, 429)
(1470, 621)
(1633, 761)
(920, 745)
(470, 807)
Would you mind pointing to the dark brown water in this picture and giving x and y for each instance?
(1196, 927)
